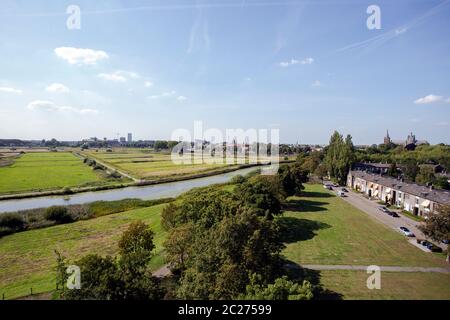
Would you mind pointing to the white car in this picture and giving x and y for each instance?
(406, 232)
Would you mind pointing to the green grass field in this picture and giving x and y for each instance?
(324, 229)
(351, 285)
(45, 171)
(145, 164)
(27, 259)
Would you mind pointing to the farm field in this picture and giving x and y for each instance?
(27, 259)
(45, 171)
(324, 229)
(149, 165)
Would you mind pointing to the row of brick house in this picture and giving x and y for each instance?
(417, 199)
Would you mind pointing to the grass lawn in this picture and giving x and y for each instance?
(27, 259)
(45, 171)
(394, 285)
(323, 229)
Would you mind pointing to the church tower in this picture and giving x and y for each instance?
(387, 139)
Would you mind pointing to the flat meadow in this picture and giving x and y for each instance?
(40, 171)
(150, 165)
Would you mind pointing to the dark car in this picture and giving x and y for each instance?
(433, 248)
(392, 214)
(345, 190)
(445, 241)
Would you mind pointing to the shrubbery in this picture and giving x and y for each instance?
(58, 214)
(45, 217)
(10, 223)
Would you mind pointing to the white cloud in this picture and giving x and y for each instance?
(163, 95)
(112, 77)
(181, 98)
(292, 62)
(148, 84)
(447, 100)
(80, 56)
(431, 98)
(57, 87)
(317, 83)
(119, 76)
(50, 106)
(10, 90)
(41, 104)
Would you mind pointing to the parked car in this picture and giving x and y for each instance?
(434, 248)
(344, 190)
(406, 232)
(383, 209)
(445, 241)
(392, 214)
(340, 194)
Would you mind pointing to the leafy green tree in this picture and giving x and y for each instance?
(410, 169)
(108, 278)
(262, 193)
(393, 171)
(137, 238)
(178, 245)
(281, 289)
(437, 226)
(339, 157)
(169, 216)
(425, 175)
(442, 183)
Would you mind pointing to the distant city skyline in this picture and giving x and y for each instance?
(305, 67)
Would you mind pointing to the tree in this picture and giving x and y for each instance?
(392, 171)
(425, 175)
(442, 183)
(281, 289)
(178, 244)
(339, 157)
(169, 216)
(410, 168)
(292, 178)
(437, 226)
(262, 193)
(108, 278)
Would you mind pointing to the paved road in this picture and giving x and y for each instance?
(382, 268)
(371, 208)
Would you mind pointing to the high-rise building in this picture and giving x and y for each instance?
(130, 137)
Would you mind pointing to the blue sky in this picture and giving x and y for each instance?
(150, 67)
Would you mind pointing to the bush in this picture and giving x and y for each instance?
(67, 190)
(58, 214)
(12, 221)
(238, 179)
